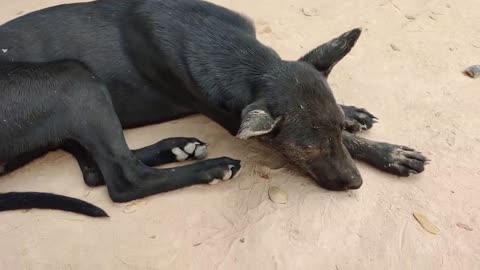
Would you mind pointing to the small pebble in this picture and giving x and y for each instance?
(242, 240)
(473, 71)
(277, 195)
(395, 47)
(310, 12)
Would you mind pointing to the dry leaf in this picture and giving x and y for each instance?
(464, 226)
(264, 175)
(426, 224)
(277, 195)
(395, 47)
(410, 17)
(310, 12)
(134, 206)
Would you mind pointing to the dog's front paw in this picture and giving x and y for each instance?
(357, 119)
(189, 148)
(400, 160)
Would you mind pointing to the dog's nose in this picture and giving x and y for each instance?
(338, 183)
(354, 184)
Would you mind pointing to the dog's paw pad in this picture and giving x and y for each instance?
(192, 149)
(180, 155)
(196, 149)
(200, 151)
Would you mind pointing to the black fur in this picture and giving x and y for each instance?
(26, 200)
(148, 61)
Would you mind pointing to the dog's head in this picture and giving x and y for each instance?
(300, 117)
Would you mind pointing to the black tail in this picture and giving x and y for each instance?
(29, 200)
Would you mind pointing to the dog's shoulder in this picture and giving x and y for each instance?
(191, 13)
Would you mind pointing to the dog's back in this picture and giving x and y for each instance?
(94, 32)
(66, 32)
(169, 50)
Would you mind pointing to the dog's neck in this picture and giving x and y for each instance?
(234, 77)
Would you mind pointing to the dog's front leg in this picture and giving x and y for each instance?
(357, 119)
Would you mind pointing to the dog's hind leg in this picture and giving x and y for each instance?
(163, 152)
(98, 130)
(395, 159)
(91, 173)
(127, 178)
(20, 161)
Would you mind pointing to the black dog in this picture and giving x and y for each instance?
(73, 76)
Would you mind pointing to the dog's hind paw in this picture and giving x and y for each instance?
(357, 119)
(226, 170)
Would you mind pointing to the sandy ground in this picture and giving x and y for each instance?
(418, 92)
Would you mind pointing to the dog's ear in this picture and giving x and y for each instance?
(256, 121)
(324, 57)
